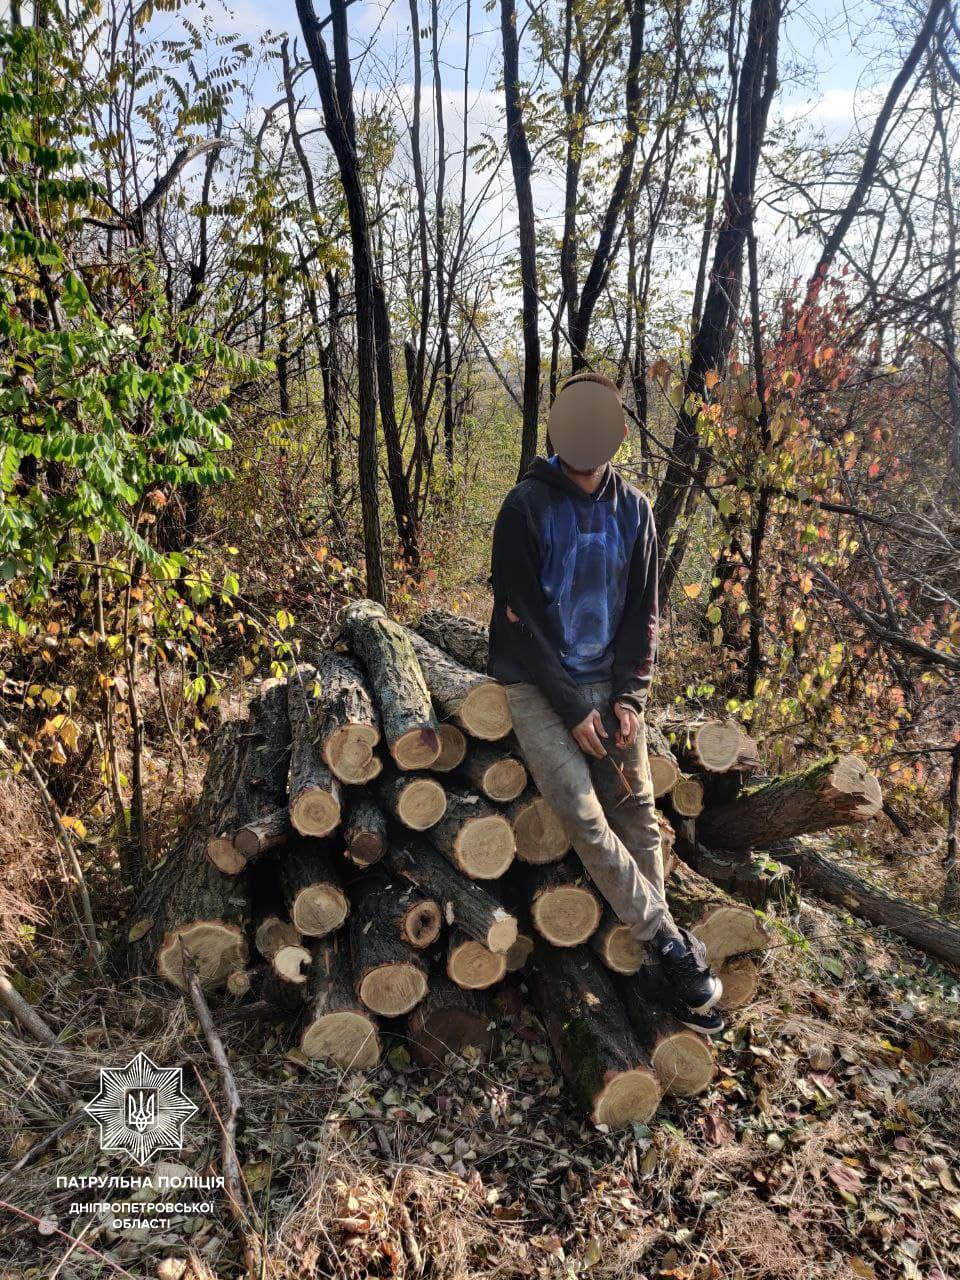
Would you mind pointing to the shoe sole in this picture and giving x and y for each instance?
(707, 1032)
(709, 1003)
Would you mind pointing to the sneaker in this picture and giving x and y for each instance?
(683, 963)
(705, 1024)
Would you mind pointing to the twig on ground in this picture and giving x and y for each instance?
(75, 1243)
(38, 1148)
(24, 1012)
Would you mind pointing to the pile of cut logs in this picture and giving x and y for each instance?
(368, 847)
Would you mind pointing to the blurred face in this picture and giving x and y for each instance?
(587, 425)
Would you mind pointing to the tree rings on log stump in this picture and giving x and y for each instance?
(476, 702)
(717, 744)
(448, 1020)
(687, 797)
(238, 983)
(346, 723)
(472, 966)
(273, 932)
(421, 921)
(740, 978)
(476, 838)
(290, 962)
(725, 927)
(312, 890)
(314, 792)
(682, 1060)
(564, 909)
(214, 947)
(616, 946)
(418, 802)
(336, 1028)
(453, 748)
(539, 834)
(390, 976)
(664, 774)
(500, 774)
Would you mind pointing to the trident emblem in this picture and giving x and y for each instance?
(141, 1109)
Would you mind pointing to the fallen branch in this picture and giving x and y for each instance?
(24, 1012)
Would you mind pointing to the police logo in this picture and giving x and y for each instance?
(141, 1108)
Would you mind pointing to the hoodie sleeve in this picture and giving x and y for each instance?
(516, 583)
(635, 648)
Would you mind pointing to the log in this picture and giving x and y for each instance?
(564, 908)
(448, 1020)
(271, 932)
(364, 831)
(519, 953)
(602, 1061)
(464, 639)
(922, 929)
(403, 910)
(188, 899)
(314, 791)
(498, 772)
(386, 654)
(686, 796)
(312, 890)
(346, 723)
(683, 1061)
(836, 791)
(477, 703)
(664, 770)
(239, 983)
(453, 748)
(616, 946)
(389, 976)
(725, 927)
(740, 978)
(712, 745)
(464, 903)
(336, 1027)
(290, 962)
(255, 820)
(473, 966)
(539, 835)
(476, 838)
(757, 878)
(418, 802)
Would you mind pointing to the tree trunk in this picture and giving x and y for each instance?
(364, 831)
(726, 928)
(346, 724)
(683, 1061)
(448, 1020)
(616, 946)
(601, 1059)
(188, 901)
(389, 975)
(465, 640)
(453, 748)
(831, 793)
(499, 772)
(475, 702)
(473, 966)
(315, 794)
(474, 836)
(417, 802)
(336, 1027)
(464, 903)
(312, 889)
(756, 878)
(564, 907)
(406, 712)
(271, 932)
(539, 835)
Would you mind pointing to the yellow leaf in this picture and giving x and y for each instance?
(711, 378)
(75, 825)
(862, 1269)
(57, 754)
(51, 697)
(692, 590)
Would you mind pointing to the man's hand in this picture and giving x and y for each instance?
(629, 722)
(587, 735)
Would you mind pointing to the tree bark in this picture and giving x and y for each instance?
(683, 1061)
(389, 975)
(364, 831)
(315, 794)
(345, 719)
(336, 1027)
(417, 802)
(448, 1020)
(312, 889)
(498, 772)
(475, 702)
(465, 640)
(725, 927)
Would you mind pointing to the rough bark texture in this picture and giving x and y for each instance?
(336, 1027)
(312, 889)
(389, 976)
(758, 879)
(462, 638)
(250, 825)
(448, 1020)
(187, 898)
(831, 793)
(601, 1059)
(497, 771)
(828, 880)
(314, 792)
(475, 702)
(725, 927)
(364, 831)
(682, 1060)
(346, 723)
(464, 903)
(406, 712)
(474, 835)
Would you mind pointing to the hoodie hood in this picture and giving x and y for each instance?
(550, 472)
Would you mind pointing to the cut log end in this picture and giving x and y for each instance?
(621, 951)
(272, 933)
(472, 966)
(421, 804)
(683, 1063)
(664, 774)
(225, 856)
(519, 953)
(290, 963)
(851, 777)
(422, 923)
(416, 749)
(365, 849)
(348, 753)
(315, 812)
(731, 931)
(741, 979)
(453, 748)
(565, 914)
(687, 797)
(628, 1097)
(505, 780)
(484, 847)
(484, 712)
(319, 909)
(393, 989)
(718, 744)
(502, 934)
(215, 950)
(539, 833)
(348, 1040)
(239, 982)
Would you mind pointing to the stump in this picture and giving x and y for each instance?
(464, 639)
(314, 791)
(364, 831)
(713, 745)
(740, 978)
(601, 1059)
(389, 976)
(312, 889)
(475, 702)
(471, 965)
(474, 836)
(686, 796)
(682, 1060)
(463, 902)
(417, 802)
(386, 654)
(448, 1020)
(336, 1027)
(564, 908)
(539, 835)
(498, 772)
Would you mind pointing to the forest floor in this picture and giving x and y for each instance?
(826, 1147)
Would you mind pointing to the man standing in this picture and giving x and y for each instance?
(573, 638)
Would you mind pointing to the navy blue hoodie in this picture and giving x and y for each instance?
(580, 572)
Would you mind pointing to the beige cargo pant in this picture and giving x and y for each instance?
(615, 835)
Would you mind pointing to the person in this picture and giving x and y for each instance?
(573, 637)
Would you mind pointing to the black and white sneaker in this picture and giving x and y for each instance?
(705, 1024)
(684, 965)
